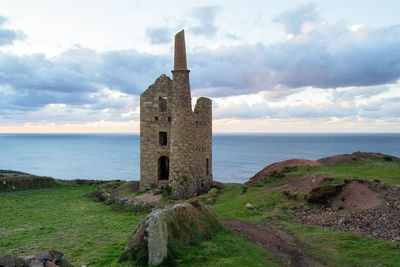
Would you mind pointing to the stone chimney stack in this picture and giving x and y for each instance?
(180, 52)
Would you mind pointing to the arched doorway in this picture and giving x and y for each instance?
(163, 168)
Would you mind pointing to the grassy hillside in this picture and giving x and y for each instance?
(91, 233)
(272, 206)
(62, 217)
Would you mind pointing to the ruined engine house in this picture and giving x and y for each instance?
(175, 141)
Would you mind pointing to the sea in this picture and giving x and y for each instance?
(236, 157)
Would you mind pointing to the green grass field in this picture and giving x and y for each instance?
(63, 218)
(94, 234)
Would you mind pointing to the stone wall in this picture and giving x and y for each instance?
(153, 121)
(189, 147)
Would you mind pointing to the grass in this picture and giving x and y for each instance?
(386, 172)
(231, 203)
(344, 248)
(91, 233)
(224, 249)
(61, 218)
(331, 248)
(94, 234)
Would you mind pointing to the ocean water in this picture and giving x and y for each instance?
(236, 157)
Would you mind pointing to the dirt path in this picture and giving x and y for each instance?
(274, 240)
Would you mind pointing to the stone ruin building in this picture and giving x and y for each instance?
(175, 141)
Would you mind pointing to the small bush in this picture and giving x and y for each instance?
(20, 182)
(166, 192)
(322, 194)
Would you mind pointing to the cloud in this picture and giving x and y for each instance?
(76, 78)
(83, 84)
(7, 36)
(205, 19)
(330, 56)
(159, 35)
(385, 109)
(294, 19)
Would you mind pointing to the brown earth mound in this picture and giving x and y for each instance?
(304, 183)
(279, 166)
(359, 195)
(259, 177)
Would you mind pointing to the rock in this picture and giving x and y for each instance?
(25, 260)
(157, 237)
(50, 255)
(7, 261)
(249, 206)
(210, 201)
(36, 263)
(200, 258)
(50, 264)
(175, 224)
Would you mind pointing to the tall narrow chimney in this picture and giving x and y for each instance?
(180, 51)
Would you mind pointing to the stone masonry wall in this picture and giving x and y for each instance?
(150, 149)
(189, 132)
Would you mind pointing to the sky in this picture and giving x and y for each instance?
(269, 66)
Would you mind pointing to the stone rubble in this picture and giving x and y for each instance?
(382, 222)
(49, 258)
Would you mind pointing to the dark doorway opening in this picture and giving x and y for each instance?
(163, 168)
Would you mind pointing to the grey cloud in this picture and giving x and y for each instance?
(293, 19)
(354, 92)
(205, 17)
(263, 110)
(328, 57)
(32, 82)
(7, 36)
(3, 20)
(160, 35)
(386, 109)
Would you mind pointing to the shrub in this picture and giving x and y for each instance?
(322, 194)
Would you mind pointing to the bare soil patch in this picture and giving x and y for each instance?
(274, 240)
(149, 198)
(304, 183)
(359, 195)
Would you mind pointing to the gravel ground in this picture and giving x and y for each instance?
(382, 222)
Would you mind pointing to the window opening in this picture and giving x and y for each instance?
(207, 167)
(156, 118)
(163, 138)
(162, 104)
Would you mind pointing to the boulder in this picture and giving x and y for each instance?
(8, 261)
(157, 237)
(25, 260)
(36, 263)
(180, 223)
(210, 201)
(249, 206)
(50, 264)
(50, 255)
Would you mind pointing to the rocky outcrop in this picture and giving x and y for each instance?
(182, 223)
(50, 258)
